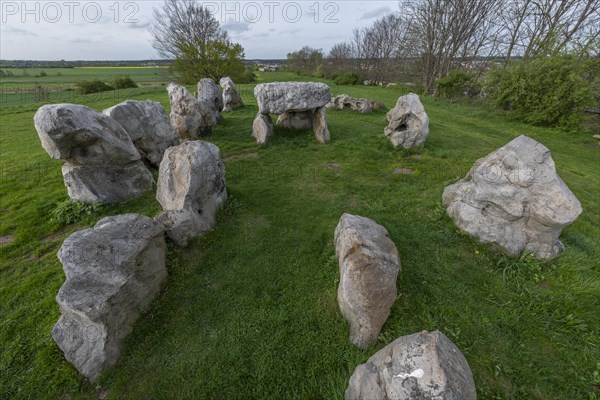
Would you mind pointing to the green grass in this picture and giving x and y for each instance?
(249, 311)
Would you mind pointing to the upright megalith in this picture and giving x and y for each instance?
(408, 122)
(369, 265)
(211, 100)
(148, 126)
(187, 114)
(514, 199)
(299, 104)
(191, 189)
(114, 271)
(102, 163)
(424, 366)
(231, 97)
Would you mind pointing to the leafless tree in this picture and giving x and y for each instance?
(340, 59)
(181, 23)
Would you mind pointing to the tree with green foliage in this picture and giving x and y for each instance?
(305, 61)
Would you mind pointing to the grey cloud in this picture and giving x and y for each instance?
(236, 27)
(376, 13)
(17, 31)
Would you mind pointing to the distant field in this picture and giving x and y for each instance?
(249, 311)
(22, 87)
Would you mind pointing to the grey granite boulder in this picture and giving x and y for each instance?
(279, 97)
(231, 98)
(320, 126)
(423, 366)
(369, 265)
(106, 183)
(408, 122)
(262, 128)
(514, 199)
(148, 126)
(343, 101)
(78, 134)
(296, 120)
(187, 114)
(191, 189)
(211, 100)
(114, 271)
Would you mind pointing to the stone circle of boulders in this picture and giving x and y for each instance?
(114, 271)
(297, 103)
(514, 199)
(191, 189)
(369, 265)
(343, 102)
(187, 114)
(211, 100)
(408, 122)
(102, 164)
(423, 365)
(148, 126)
(231, 98)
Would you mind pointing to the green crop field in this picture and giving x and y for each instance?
(249, 311)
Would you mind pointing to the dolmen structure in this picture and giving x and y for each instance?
(300, 105)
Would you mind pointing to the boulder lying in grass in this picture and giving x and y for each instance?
(408, 123)
(424, 365)
(343, 101)
(191, 189)
(211, 99)
(103, 164)
(369, 267)
(231, 98)
(148, 126)
(514, 199)
(296, 102)
(114, 271)
(187, 114)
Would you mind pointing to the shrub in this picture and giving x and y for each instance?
(68, 212)
(43, 73)
(248, 76)
(123, 82)
(347, 78)
(95, 86)
(459, 83)
(548, 91)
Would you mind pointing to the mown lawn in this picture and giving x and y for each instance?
(249, 311)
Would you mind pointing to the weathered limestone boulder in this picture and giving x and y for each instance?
(114, 271)
(296, 102)
(231, 98)
(211, 99)
(262, 128)
(191, 189)
(296, 120)
(102, 164)
(106, 183)
(78, 134)
(377, 105)
(343, 101)
(279, 97)
(424, 366)
(148, 126)
(187, 114)
(408, 123)
(369, 267)
(514, 199)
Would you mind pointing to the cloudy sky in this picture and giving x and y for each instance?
(118, 30)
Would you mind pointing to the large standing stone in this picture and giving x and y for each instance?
(343, 101)
(514, 199)
(279, 97)
(262, 128)
(187, 115)
(424, 366)
(78, 134)
(114, 271)
(408, 123)
(191, 189)
(296, 120)
(369, 267)
(211, 99)
(102, 164)
(231, 98)
(106, 183)
(148, 126)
